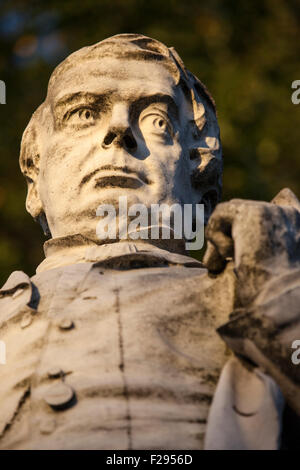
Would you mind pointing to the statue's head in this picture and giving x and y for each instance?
(121, 117)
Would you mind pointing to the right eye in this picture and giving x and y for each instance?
(82, 116)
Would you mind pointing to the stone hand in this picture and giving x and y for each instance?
(263, 239)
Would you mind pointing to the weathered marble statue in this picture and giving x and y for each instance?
(113, 344)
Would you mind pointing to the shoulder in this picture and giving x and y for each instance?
(17, 295)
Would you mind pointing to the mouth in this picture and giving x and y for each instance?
(118, 180)
(116, 177)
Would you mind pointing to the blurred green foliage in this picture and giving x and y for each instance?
(247, 53)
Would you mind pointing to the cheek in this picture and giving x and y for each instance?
(169, 168)
(58, 170)
(167, 158)
(64, 158)
(64, 148)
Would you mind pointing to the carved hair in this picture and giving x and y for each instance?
(203, 134)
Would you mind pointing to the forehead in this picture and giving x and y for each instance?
(125, 79)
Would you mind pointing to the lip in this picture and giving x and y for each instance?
(116, 177)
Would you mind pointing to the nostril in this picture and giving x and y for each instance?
(109, 138)
(129, 142)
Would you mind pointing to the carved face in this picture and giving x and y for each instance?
(118, 128)
(123, 117)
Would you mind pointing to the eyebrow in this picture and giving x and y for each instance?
(100, 98)
(147, 100)
(71, 98)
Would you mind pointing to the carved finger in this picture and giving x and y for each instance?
(213, 261)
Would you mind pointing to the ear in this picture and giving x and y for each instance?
(206, 163)
(33, 202)
(30, 167)
(29, 163)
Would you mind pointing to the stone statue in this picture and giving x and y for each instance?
(132, 343)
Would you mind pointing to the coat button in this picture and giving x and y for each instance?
(66, 324)
(47, 425)
(26, 320)
(60, 397)
(55, 373)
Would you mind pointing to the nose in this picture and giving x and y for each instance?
(120, 137)
(119, 132)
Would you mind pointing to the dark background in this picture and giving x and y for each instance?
(247, 53)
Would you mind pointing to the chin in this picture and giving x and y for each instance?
(111, 196)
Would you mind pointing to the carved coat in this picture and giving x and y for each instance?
(115, 347)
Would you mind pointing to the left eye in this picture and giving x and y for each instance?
(160, 123)
(154, 123)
